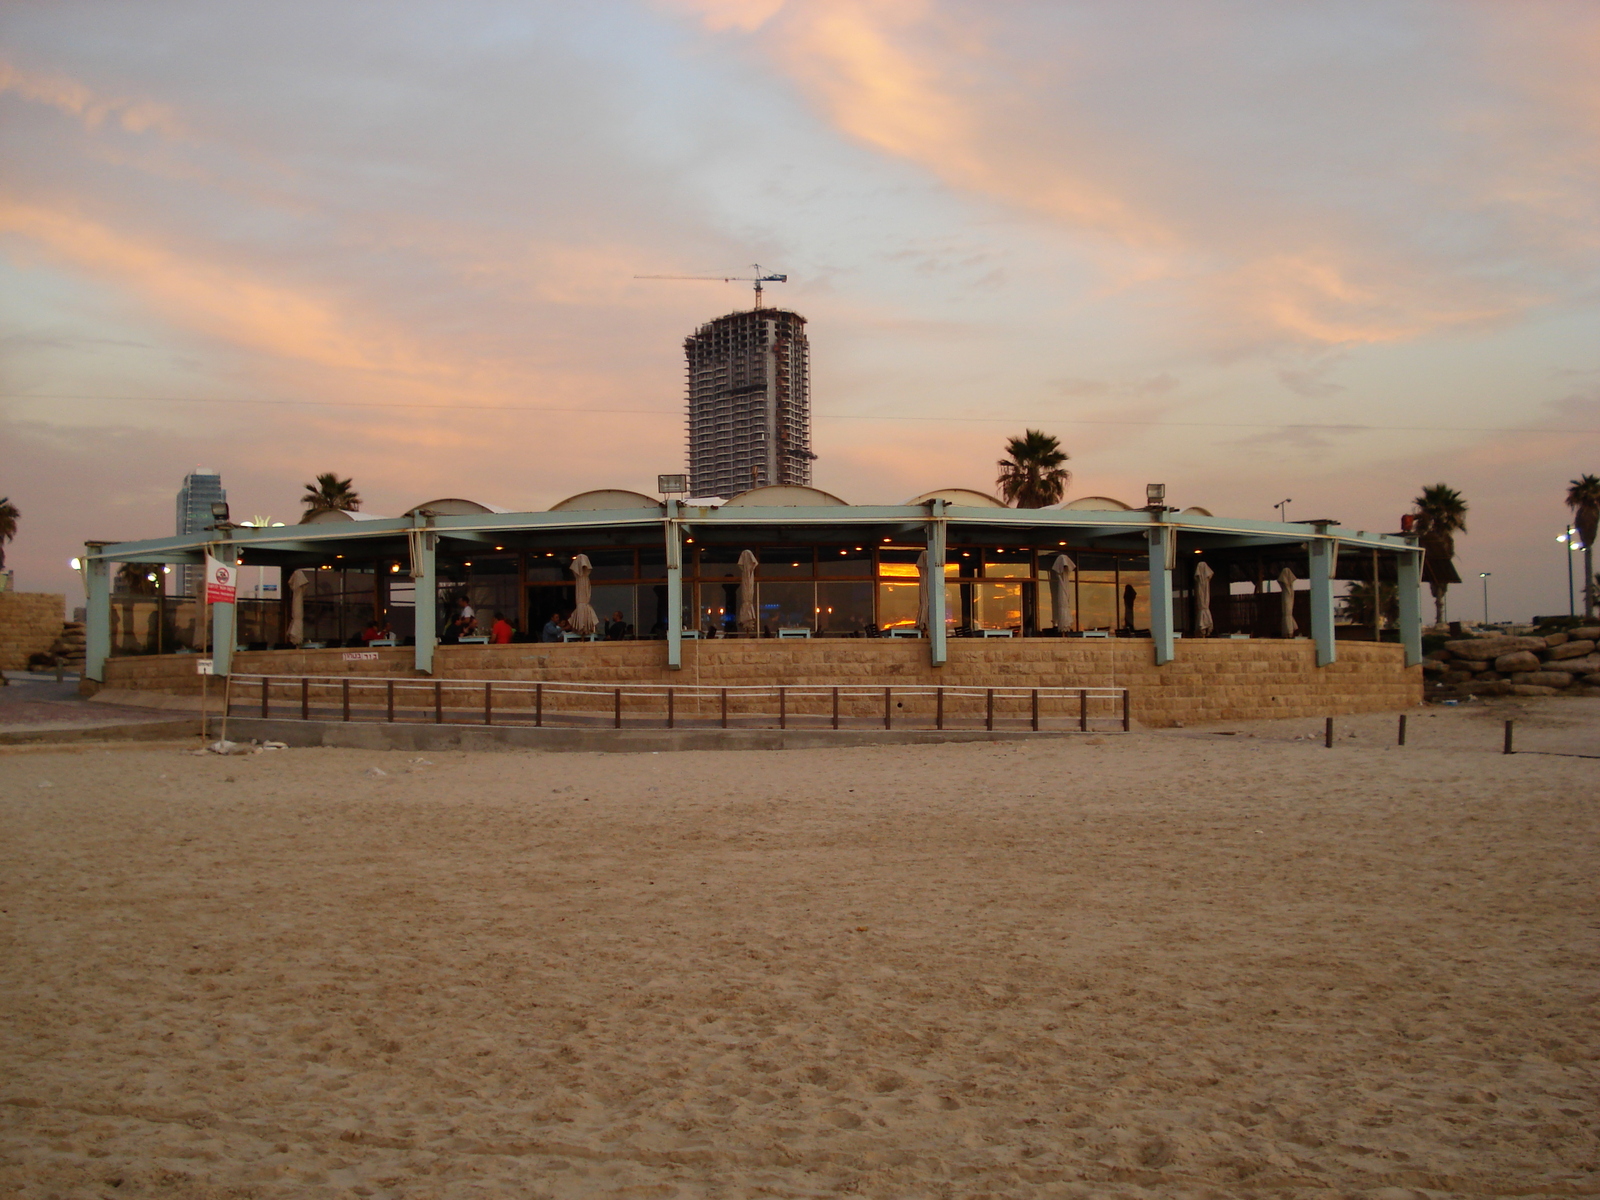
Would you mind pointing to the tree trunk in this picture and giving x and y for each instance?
(1439, 589)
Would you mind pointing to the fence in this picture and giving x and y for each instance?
(657, 706)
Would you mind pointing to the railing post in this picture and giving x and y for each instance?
(672, 713)
(1083, 709)
(488, 702)
(344, 700)
(938, 708)
(538, 704)
(616, 708)
(389, 700)
(305, 698)
(988, 720)
(1036, 710)
(438, 702)
(836, 708)
(1127, 710)
(783, 708)
(724, 708)
(266, 683)
(888, 709)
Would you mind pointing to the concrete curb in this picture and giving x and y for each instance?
(373, 735)
(127, 731)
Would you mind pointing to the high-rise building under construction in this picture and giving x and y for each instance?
(749, 402)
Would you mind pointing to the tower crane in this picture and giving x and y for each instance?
(758, 279)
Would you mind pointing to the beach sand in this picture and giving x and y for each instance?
(1210, 962)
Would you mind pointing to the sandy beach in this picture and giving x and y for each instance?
(1208, 962)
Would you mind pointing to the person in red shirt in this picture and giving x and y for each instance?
(500, 632)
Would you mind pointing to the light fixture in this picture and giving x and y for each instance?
(166, 570)
(219, 510)
(75, 563)
(151, 577)
(1155, 494)
(499, 547)
(338, 556)
(394, 568)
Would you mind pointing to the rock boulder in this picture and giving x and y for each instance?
(1555, 639)
(1528, 689)
(1549, 679)
(1517, 660)
(1570, 649)
(1575, 666)
(1493, 647)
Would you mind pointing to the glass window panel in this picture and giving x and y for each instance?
(1088, 561)
(494, 564)
(547, 568)
(1008, 570)
(897, 570)
(897, 605)
(1140, 581)
(852, 562)
(718, 562)
(611, 564)
(615, 602)
(1097, 601)
(786, 606)
(719, 607)
(653, 564)
(1046, 604)
(651, 599)
(999, 605)
(898, 554)
(784, 562)
(847, 607)
(967, 561)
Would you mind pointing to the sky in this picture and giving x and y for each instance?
(1256, 251)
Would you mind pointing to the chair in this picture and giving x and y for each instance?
(989, 633)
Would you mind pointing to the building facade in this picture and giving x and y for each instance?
(749, 402)
(201, 488)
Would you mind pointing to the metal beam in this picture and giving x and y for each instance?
(1163, 548)
(426, 577)
(96, 615)
(937, 649)
(673, 534)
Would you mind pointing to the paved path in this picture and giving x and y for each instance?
(36, 708)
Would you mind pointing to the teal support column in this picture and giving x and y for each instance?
(674, 537)
(936, 554)
(222, 638)
(1163, 545)
(1408, 577)
(1323, 550)
(426, 577)
(97, 615)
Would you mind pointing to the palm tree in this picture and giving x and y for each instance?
(1441, 514)
(1355, 606)
(1583, 498)
(8, 525)
(329, 494)
(1033, 476)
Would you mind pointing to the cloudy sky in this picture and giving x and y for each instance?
(1330, 251)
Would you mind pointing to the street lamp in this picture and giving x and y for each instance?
(1573, 545)
(1484, 575)
(1283, 508)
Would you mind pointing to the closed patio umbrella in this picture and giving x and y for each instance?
(922, 591)
(584, 619)
(1286, 582)
(747, 592)
(1202, 600)
(298, 583)
(1061, 593)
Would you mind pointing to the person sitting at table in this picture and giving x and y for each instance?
(616, 628)
(371, 633)
(552, 629)
(500, 632)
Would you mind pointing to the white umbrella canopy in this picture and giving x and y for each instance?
(298, 583)
(1202, 597)
(1060, 593)
(747, 591)
(584, 619)
(922, 590)
(1286, 583)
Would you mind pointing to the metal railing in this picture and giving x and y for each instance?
(664, 706)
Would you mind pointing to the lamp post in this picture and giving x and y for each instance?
(1283, 508)
(1570, 540)
(1484, 575)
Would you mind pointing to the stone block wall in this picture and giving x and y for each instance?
(1215, 679)
(30, 623)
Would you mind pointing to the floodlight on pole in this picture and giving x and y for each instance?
(1155, 495)
(1484, 575)
(1283, 508)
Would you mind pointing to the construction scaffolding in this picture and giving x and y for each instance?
(749, 389)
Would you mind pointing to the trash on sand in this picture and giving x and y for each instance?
(274, 745)
(377, 772)
(221, 747)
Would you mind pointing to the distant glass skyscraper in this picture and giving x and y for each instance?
(201, 488)
(749, 402)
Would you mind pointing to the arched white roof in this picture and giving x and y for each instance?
(964, 497)
(454, 506)
(336, 516)
(1194, 510)
(602, 499)
(1096, 504)
(785, 495)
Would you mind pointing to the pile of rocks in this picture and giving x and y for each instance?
(70, 648)
(1501, 665)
